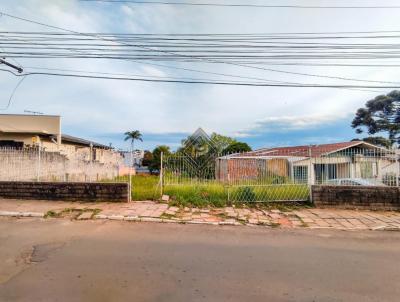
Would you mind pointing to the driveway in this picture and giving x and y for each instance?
(102, 260)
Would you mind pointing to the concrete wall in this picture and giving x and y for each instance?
(71, 191)
(24, 165)
(23, 123)
(357, 197)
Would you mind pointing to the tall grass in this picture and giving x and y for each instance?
(214, 193)
(144, 187)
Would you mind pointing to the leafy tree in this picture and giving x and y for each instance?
(147, 158)
(381, 114)
(155, 164)
(377, 141)
(237, 147)
(197, 144)
(221, 142)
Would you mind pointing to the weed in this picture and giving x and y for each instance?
(51, 214)
(274, 225)
(167, 216)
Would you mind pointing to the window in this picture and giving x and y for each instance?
(325, 172)
(366, 170)
(300, 174)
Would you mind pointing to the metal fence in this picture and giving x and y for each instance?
(34, 164)
(278, 174)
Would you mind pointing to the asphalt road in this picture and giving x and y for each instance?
(62, 260)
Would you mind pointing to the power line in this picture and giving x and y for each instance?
(207, 60)
(255, 84)
(244, 5)
(213, 34)
(126, 74)
(14, 90)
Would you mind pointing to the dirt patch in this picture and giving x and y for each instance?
(41, 252)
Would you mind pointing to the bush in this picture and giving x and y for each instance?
(197, 195)
(246, 194)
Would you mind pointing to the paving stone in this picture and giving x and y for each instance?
(284, 222)
(253, 221)
(345, 223)
(116, 217)
(85, 216)
(168, 212)
(165, 198)
(321, 222)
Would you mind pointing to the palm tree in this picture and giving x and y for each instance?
(132, 136)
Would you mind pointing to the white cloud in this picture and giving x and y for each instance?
(100, 106)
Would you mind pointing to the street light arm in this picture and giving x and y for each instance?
(19, 69)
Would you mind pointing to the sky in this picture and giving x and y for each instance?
(165, 113)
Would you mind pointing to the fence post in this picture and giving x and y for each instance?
(161, 173)
(39, 163)
(398, 168)
(310, 175)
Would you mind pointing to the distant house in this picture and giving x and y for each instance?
(313, 164)
(136, 160)
(32, 131)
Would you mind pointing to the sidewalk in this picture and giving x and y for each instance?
(149, 211)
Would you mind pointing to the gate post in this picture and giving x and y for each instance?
(39, 163)
(161, 173)
(310, 175)
(397, 155)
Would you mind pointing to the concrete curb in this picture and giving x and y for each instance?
(221, 223)
(161, 220)
(21, 214)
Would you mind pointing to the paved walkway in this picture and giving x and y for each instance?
(160, 212)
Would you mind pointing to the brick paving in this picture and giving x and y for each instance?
(150, 211)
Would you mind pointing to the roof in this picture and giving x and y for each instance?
(24, 131)
(315, 150)
(80, 141)
(24, 114)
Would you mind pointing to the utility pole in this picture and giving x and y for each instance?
(19, 69)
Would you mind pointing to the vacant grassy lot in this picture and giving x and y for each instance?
(214, 193)
(144, 187)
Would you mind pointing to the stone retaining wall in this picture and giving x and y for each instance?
(357, 197)
(71, 191)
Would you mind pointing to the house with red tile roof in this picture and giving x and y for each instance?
(313, 164)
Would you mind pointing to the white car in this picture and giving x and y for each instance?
(354, 182)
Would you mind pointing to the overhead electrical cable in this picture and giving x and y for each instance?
(241, 5)
(212, 61)
(198, 82)
(201, 59)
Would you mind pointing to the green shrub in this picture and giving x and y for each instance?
(212, 194)
(245, 194)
